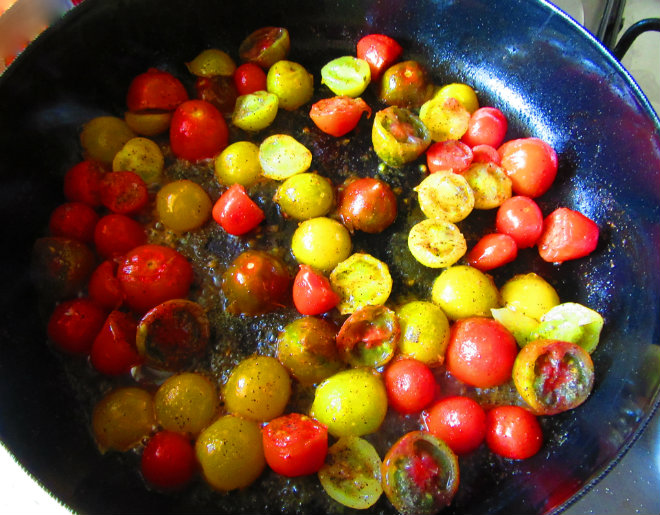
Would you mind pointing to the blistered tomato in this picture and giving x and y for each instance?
(123, 192)
(198, 131)
(399, 136)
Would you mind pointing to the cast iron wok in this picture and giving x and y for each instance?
(549, 76)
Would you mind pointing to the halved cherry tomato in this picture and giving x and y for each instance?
(219, 91)
(513, 432)
(312, 292)
(521, 218)
(75, 220)
(295, 444)
(265, 46)
(485, 154)
(198, 131)
(367, 204)
(410, 385)
(236, 212)
(481, 352)
(113, 352)
(459, 421)
(530, 163)
(124, 192)
(74, 324)
(155, 90)
(168, 460)
(151, 274)
(338, 115)
(116, 234)
(82, 183)
(380, 51)
(567, 234)
(487, 126)
(492, 251)
(450, 155)
(104, 287)
(248, 78)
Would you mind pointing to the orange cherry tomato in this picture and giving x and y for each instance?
(338, 115)
(531, 164)
(567, 234)
(410, 385)
(74, 324)
(513, 432)
(380, 51)
(155, 90)
(168, 461)
(113, 352)
(312, 292)
(492, 251)
(236, 212)
(198, 131)
(75, 220)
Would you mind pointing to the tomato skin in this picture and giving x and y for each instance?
(530, 163)
(198, 131)
(487, 126)
(492, 251)
(151, 274)
(380, 51)
(116, 234)
(123, 192)
(155, 90)
(567, 234)
(113, 352)
(168, 460)
(513, 432)
(248, 78)
(74, 324)
(82, 183)
(104, 287)
(312, 292)
(481, 352)
(338, 115)
(485, 154)
(449, 155)
(410, 385)
(367, 204)
(459, 421)
(295, 444)
(521, 218)
(236, 212)
(75, 220)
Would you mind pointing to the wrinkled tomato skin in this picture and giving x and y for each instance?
(248, 78)
(151, 274)
(75, 220)
(155, 90)
(82, 183)
(487, 126)
(380, 51)
(513, 432)
(168, 461)
(492, 251)
(567, 234)
(312, 292)
(113, 352)
(198, 131)
(450, 155)
(530, 163)
(338, 115)
(410, 385)
(367, 205)
(116, 234)
(521, 218)
(124, 192)
(459, 421)
(236, 212)
(104, 287)
(74, 324)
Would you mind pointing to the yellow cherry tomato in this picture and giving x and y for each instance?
(183, 205)
(489, 183)
(211, 63)
(361, 280)
(291, 82)
(529, 294)
(142, 156)
(424, 332)
(321, 243)
(305, 195)
(463, 291)
(282, 156)
(148, 124)
(444, 118)
(255, 111)
(102, 137)
(461, 92)
(445, 195)
(436, 243)
(238, 163)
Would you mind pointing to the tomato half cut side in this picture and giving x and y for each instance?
(338, 115)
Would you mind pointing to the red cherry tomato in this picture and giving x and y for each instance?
(380, 52)
(367, 205)
(75, 220)
(115, 235)
(124, 192)
(459, 421)
(521, 218)
(248, 78)
(485, 154)
(338, 115)
(104, 287)
(492, 251)
(113, 352)
(487, 126)
(567, 234)
(481, 352)
(82, 183)
(155, 90)
(295, 444)
(198, 131)
(74, 324)
(236, 212)
(168, 460)
(151, 274)
(410, 385)
(531, 164)
(513, 432)
(450, 155)
(312, 292)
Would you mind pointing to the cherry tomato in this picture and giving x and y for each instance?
(248, 78)
(218, 91)
(399, 136)
(82, 183)
(487, 126)
(492, 251)
(380, 51)
(155, 90)
(410, 385)
(265, 46)
(481, 352)
(567, 234)
(104, 287)
(513, 432)
(406, 84)
(74, 324)
(168, 460)
(450, 155)
(458, 421)
(113, 352)
(236, 212)
(295, 445)
(485, 154)
(124, 192)
(116, 234)
(312, 292)
(151, 274)
(338, 115)
(198, 131)
(531, 164)
(521, 218)
(75, 220)
(367, 204)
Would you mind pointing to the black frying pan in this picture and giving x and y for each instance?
(548, 75)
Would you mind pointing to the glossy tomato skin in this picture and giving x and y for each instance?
(123, 192)
(248, 78)
(485, 154)
(116, 234)
(198, 131)
(155, 90)
(168, 461)
(367, 205)
(487, 126)
(312, 292)
(74, 324)
(481, 352)
(449, 155)
(104, 287)
(492, 251)
(521, 218)
(567, 234)
(531, 164)
(459, 421)
(338, 115)
(380, 51)
(75, 220)
(113, 352)
(82, 183)
(151, 274)
(236, 212)
(410, 385)
(295, 444)
(513, 432)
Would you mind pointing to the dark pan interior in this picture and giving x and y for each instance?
(550, 78)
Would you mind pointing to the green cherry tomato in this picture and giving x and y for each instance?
(255, 111)
(489, 183)
(291, 82)
(347, 75)
(305, 195)
(141, 156)
(573, 322)
(399, 136)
